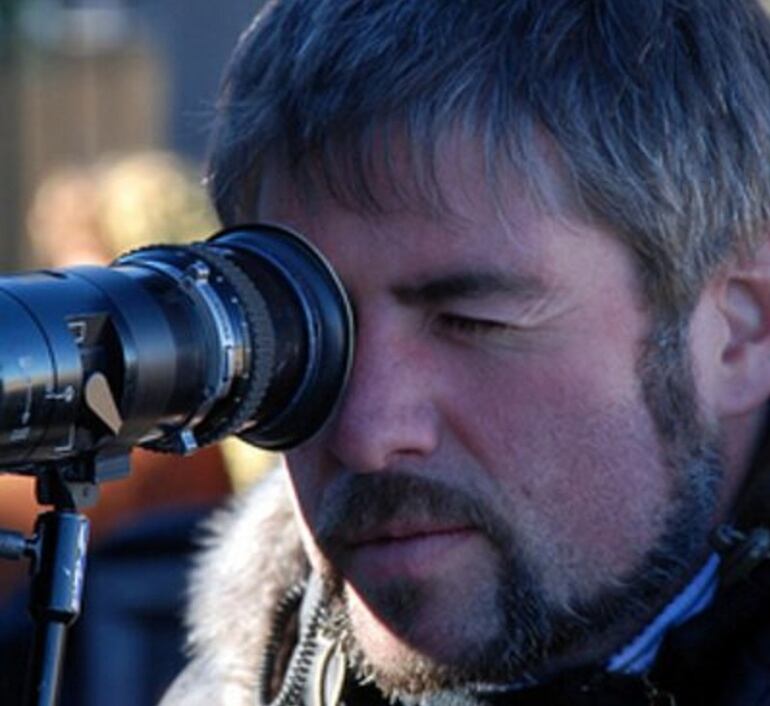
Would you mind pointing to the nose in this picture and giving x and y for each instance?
(387, 414)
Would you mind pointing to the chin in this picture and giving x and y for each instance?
(411, 640)
(395, 663)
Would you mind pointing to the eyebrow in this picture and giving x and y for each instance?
(470, 285)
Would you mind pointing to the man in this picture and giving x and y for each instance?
(551, 218)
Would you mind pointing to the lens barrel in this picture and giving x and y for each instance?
(173, 347)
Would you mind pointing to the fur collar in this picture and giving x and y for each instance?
(251, 556)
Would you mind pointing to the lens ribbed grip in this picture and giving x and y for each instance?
(261, 356)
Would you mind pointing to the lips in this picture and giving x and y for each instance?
(398, 552)
(403, 532)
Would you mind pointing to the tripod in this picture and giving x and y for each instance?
(57, 551)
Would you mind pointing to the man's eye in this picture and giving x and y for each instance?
(469, 326)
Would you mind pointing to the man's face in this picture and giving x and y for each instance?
(493, 486)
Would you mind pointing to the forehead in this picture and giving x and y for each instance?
(458, 203)
(539, 256)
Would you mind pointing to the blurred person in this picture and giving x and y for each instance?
(93, 213)
(547, 480)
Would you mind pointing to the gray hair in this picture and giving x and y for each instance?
(659, 111)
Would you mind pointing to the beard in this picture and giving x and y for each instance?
(373, 500)
(531, 634)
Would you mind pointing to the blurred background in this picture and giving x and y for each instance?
(104, 111)
(81, 79)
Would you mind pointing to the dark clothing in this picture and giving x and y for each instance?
(723, 656)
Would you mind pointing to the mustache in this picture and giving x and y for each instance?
(358, 504)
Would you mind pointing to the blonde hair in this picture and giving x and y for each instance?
(94, 213)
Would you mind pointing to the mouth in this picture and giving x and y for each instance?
(403, 551)
(403, 533)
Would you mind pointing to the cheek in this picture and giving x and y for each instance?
(307, 488)
(577, 459)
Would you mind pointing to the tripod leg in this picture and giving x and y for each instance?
(45, 668)
(57, 586)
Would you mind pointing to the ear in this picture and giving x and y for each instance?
(742, 297)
